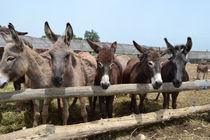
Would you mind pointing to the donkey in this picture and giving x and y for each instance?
(17, 83)
(70, 69)
(144, 69)
(19, 60)
(174, 70)
(123, 60)
(202, 69)
(109, 72)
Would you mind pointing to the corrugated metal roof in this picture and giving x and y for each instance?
(82, 45)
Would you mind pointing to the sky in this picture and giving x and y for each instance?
(145, 21)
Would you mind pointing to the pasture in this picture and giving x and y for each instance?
(194, 127)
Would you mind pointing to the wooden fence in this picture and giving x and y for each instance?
(52, 132)
(87, 91)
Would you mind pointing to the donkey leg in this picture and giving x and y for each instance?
(93, 105)
(204, 75)
(157, 96)
(36, 112)
(45, 110)
(83, 109)
(141, 104)
(102, 107)
(133, 104)
(19, 105)
(109, 104)
(165, 100)
(74, 101)
(174, 99)
(65, 113)
(198, 73)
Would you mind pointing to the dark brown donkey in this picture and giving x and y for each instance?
(109, 72)
(144, 69)
(19, 60)
(70, 69)
(174, 70)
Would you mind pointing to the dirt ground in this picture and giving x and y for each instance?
(196, 127)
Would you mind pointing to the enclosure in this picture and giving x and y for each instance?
(195, 126)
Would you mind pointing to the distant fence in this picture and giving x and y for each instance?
(81, 45)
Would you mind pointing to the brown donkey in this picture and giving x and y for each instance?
(205, 69)
(144, 69)
(70, 69)
(109, 72)
(17, 83)
(174, 70)
(19, 60)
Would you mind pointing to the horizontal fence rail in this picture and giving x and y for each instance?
(32, 94)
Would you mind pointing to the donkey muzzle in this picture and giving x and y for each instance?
(157, 81)
(157, 84)
(177, 83)
(105, 81)
(58, 81)
(4, 79)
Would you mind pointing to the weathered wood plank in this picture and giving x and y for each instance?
(102, 126)
(122, 123)
(39, 131)
(31, 94)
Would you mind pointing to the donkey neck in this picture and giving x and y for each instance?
(168, 71)
(74, 74)
(37, 69)
(144, 71)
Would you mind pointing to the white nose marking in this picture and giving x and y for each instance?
(105, 79)
(156, 78)
(3, 79)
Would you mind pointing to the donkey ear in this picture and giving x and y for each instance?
(114, 46)
(68, 34)
(49, 33)
(15, 37)
(140, 48)
(94, 46)
(188, 45)
(169, 46)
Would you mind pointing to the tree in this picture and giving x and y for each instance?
(92, 35)
(77, 38)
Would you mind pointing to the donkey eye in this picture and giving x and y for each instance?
(110, 66)
(150, 64)
(10, 58)
(100, 65)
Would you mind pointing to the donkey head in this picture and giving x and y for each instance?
(13, 64)
(151, 60)
(179, 59)
(105, 63)
(61, 56)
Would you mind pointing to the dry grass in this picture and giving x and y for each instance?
(196, 127)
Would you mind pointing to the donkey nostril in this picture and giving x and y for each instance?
(105, 86)
(177, 83)
(157, 85)
(58, 81)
